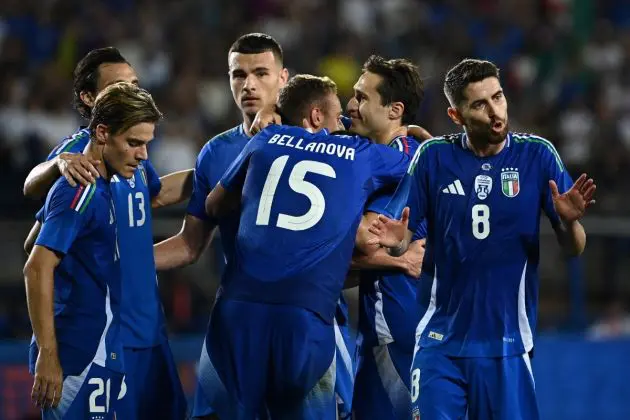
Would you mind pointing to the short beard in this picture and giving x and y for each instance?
(488, 135)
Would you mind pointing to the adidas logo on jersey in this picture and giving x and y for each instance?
(454, 188)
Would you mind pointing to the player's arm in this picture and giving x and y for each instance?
(222, 201)
(39, 279)
(175, 188)
(570, 207)
(369, 256)
(62, 223)
(396, 235)
(571, 237)
(75, 167)
(266, 116)
(29, 243)
(418, 132)
(186, 247)
(565, 202)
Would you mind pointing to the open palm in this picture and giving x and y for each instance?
(389, 232)
(572, 205)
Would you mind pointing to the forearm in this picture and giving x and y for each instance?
(401, 248)
(39, 297)
(40, 179)
(176, 187)
(174, 252)
(572, 238)
(185, 247)
(32, 237)
(378, 260)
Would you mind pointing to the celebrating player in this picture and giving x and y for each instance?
(386, 99)
(481, 192)
(73, 277)
(256, 74)
(303, 193)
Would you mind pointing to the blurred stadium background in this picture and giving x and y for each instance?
(565, 66)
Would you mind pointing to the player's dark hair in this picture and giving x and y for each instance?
(257, 43)
(465, 72)
(302, 93)
(401, 83)
(86, 75)
(121, 106)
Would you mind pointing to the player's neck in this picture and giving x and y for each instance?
(92, 150)
(247, 124)
(387, 136)
(482, 148)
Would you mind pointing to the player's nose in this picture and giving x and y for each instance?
(250, 83)
(142, 153)
(352, 105)
(492, 110)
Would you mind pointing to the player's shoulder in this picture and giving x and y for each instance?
(534, 144)
(74, 143)
(440, 143)
(406, 144)
(233, 135)
(77, 198)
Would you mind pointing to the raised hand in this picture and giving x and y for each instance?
(571, 205)
(389, 232)
(264, 117)
(76, 167)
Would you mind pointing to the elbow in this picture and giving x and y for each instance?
(28, 190)
(30, 271)
(28, 247)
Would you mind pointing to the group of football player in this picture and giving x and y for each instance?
(439, 233)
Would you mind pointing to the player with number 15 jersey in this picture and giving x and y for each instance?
(302, 199)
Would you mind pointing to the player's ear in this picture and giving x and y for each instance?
(316, 118)
(284, 76)
(454, 115)
(87, 98)
(101, 133)
(396, 110)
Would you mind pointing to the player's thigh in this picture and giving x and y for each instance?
(382, 389)
(92, 394)
(304, 366)
(159, 392)
(438, 390)
(232, 370)
(502, 388)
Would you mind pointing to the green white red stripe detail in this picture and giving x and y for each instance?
(82, 198)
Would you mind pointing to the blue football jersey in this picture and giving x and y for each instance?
(79, 223)
(302, 199)
(388, 307)
(142, 319)
(215, 158)
(71, 144)
(141, 316)
(479, 286)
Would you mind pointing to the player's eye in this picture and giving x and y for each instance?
(498, 96)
